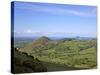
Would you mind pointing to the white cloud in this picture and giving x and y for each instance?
(17, 32)
(29, 31)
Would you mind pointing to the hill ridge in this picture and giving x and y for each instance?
(35, 43)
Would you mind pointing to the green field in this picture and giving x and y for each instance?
(63, 54)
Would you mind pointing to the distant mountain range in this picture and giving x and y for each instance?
(53, 38)
(43, 41)
(52, 34)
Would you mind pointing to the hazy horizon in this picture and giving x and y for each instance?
(54, 20)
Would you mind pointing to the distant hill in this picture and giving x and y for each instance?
(42, 40)
(35, 43)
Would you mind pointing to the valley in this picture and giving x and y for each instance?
(63, 54)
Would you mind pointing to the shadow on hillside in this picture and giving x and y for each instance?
(58, 67)
(23, 63)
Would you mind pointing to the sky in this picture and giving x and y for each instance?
(54, 20)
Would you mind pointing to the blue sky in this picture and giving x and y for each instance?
(58, 20)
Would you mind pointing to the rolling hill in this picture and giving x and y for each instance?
(79, 54)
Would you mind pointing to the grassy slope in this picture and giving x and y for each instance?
(72, 53)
